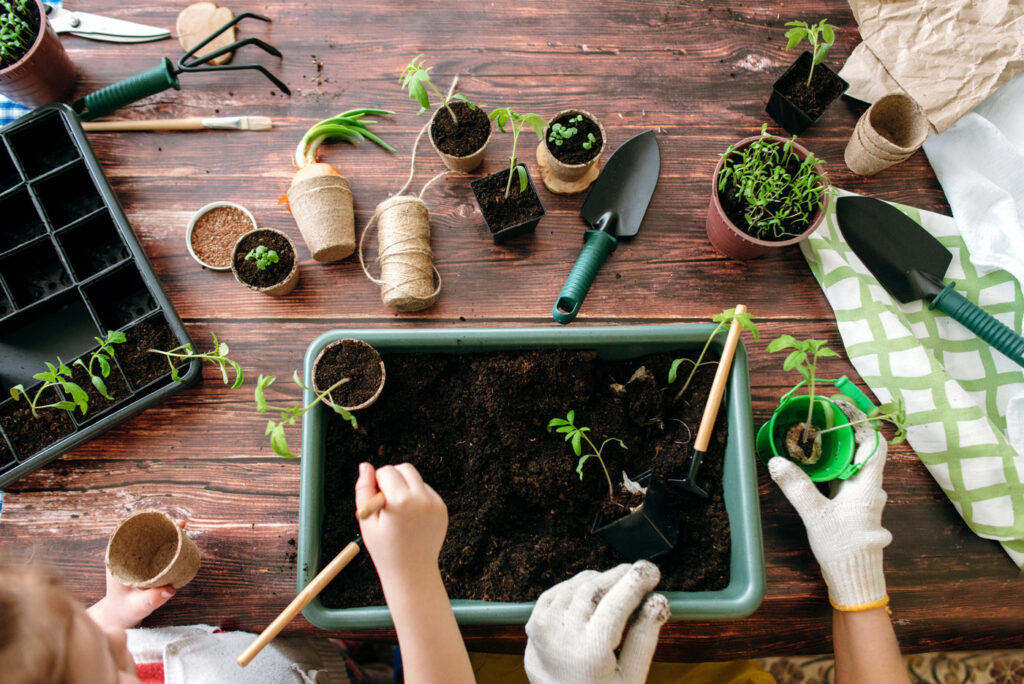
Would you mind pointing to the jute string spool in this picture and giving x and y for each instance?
(322, 207)
(149, 549)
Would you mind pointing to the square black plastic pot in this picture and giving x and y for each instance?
(648, 532)
(502, 233)
(787, 114)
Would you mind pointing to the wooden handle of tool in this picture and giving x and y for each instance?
(144, 125)
(707, 421)
(299, 602)
(372, 506)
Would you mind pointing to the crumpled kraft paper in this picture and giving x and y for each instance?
(949, 56)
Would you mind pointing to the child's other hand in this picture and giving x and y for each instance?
(404, 538)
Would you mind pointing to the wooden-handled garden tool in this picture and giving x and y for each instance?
(314, 588)
(707, 421)
(164, 76)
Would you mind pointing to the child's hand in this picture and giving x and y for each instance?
(404, 538)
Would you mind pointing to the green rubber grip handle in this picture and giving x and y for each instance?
(980, 323)
(597, 245)
(151, 82)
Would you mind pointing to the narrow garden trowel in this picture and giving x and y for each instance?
(911, 264)
(614, 208)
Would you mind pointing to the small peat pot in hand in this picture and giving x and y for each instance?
(804, 92)
(641, 524)
(149, 549)
(568, 155)
(754, 209)
(264, 260)
(34, 68)
(213, 232)
(351, 372)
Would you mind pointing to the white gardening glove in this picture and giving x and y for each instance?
(576, 626)
(845, 532)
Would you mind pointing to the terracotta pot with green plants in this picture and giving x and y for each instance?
(806, 89)
(766, 193)
(569, 153)
(34, 68)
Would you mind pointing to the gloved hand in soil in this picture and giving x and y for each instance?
(576, 626)
(845, 532)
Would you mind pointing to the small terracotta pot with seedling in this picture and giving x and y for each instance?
(766, 193)
(568, 155)
(459, 130)
(639, 521)
(34, 68)
(803, 93)
(510, 208)
(264, 260)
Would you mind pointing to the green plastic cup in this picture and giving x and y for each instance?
(837, 447)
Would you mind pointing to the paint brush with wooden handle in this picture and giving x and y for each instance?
(313, 589)
(238, 123)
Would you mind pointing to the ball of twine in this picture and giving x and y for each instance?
(407, 272)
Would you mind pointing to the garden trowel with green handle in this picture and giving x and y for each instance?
(614, 209)
(911, 264)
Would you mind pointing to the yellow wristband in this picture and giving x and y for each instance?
(883, 602)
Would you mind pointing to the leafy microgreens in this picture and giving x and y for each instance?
(772, 196)
(291, 415)
(506, 116)
(804, 358)
(54, 376)
(218, 355)
(17, 30)
(723, 319)
(801, 30)
(415, 79)
(102, 357)
(350, 126)
(264, 257)
(558, 133)
(576, 435)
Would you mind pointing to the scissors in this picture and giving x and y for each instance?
(97, 27)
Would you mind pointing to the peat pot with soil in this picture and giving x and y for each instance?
(34, 68)
(808, 87)
(264, 260)
(351, 372)
(569, 153)
(471, 410)
(766, 193)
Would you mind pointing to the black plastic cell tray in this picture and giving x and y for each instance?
(71, 269)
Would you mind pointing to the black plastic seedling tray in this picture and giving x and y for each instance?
(71, 269)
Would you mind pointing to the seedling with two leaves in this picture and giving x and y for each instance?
(54, 376)
(506, 116)
(415, 80)
(820, 36)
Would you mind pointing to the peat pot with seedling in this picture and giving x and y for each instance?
(569, 153)
(264, 260)
(808, 87)
(34, 68)
(508, 199)
(766, 193)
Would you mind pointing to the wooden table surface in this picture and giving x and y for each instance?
(697, 72)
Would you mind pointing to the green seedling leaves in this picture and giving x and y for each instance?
(264, 257)
(723, 319)
(819, 36)
(218, 356)
(506, 116)
(349, 126)
(290, 415)
(576, 436)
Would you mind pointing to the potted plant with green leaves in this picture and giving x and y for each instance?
(804, 92)
(508, 199)
(766, 192)
(34, 68)
(459, 130)
(639, 520)
(569, 153)
(264, 260)
(816, 432)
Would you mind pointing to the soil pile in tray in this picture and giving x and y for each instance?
(520, 518)
(464, 139)
(30, 434)
(141, 365)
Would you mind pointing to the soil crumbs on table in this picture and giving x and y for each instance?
(140, 365)
(467, 137)
(273, 274)
(825, 87)
(475, 426)
(29, 434)
(504, 212)
(215, 233)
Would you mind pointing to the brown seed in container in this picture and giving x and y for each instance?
(216, 232)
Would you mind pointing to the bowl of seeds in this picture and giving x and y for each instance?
(213, 232)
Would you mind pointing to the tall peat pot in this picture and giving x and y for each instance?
(44, 74)
(648, 532)
(825, 87)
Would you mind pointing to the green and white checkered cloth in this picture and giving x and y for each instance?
(965, 400)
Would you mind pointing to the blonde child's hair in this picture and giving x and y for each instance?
(36, 614)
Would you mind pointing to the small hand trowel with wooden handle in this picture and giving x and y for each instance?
(614, 209)
(911, 264)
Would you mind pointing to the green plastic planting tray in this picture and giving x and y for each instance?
(745, 590)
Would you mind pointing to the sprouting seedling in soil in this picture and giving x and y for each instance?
(102, 357)
(820, 36)
(771, 195)
(415, 80)
(723, 319)
(349, 126)
(54, 376)
(264, 257)
(290, 415)
(803, 358)
(590, 141)
(17, 31)
(576, 436)
(218, 355)
(558, 133)
(506, 116)
(893, 412)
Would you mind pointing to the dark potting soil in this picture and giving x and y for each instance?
(357, 361)
(825, 86)
(735, 206)
(272, 274)
(463, 140)
(571, 151)
(501, 212)
(29, 434)
(624, 503)
(140, 365)
(519, 516)
(117, 387)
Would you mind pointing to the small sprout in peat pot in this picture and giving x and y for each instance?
(218, 355)
(506, 116)
(558, 133)
(802, 437)
(820, 36)
(290, 415)
(723, 319)
(54, 376)
(415, 80)
(102, 356)
(590, 141)
(264, 257)
(576, 435)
